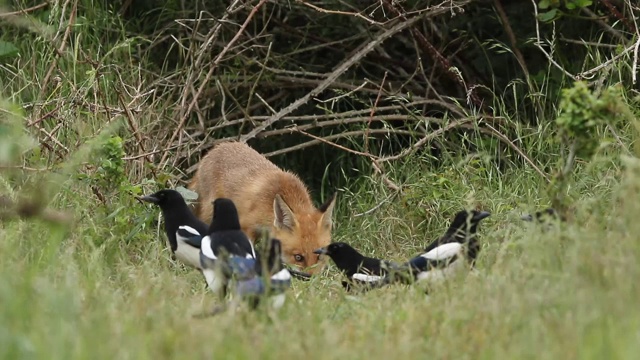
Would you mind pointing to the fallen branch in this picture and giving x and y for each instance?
(340, 70)
(332, 137)
(424, 140)
(25, 11)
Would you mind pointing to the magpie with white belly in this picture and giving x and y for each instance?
(226, 252)
(184, 230)
(455, 251)
(358, 269)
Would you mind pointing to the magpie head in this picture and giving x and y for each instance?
(468, 221)
(225, 216)
(164, 198)
(342, 254)
(335, 248)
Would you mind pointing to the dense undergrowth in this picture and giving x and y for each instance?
(87, 114)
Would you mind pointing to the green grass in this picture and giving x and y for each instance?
(565, 293)
(104, 286)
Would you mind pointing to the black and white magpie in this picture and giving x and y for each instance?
(456, 249)
(184, 230)
(355, 266)
(226, 251)
(272, 277)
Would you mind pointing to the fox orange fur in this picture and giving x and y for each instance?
(265, 196)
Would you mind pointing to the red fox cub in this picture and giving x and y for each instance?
(265, 196)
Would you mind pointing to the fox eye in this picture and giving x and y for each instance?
(298, 258)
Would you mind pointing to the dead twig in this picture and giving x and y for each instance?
(325, 141)
(330, 137)
(427, 47)
(424, 140)
(328, 123)
(506, 140)
(616, 33)
(63, 43)
(390, 184)
(588, 73)
(615, 12)
(379, 205)
(25, 11)
(340, 70)
(538, 43)
(371, 114)
(212, 68)
(337, 12)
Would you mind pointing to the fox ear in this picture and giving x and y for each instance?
(327, 210)
(283, 214)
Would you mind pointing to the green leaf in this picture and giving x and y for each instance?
(543, 4)
(7, 49)
(582, 3)
(548, 16)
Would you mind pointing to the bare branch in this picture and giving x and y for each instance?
(341, 69)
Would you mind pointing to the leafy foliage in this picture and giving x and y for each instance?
(7, 49)
(582, 113)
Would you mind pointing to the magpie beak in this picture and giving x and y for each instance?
(481, 215)
(149, 198)
(321, 251)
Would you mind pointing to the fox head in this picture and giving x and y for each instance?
(302, 233)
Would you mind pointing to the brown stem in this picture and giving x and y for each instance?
(435, 54)
(615, 12)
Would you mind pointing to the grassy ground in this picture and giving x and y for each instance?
(105, 287)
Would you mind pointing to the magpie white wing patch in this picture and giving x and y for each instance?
(189, 230)
(443, 251)
(366, 278)
(206, 248)
(282, 275)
